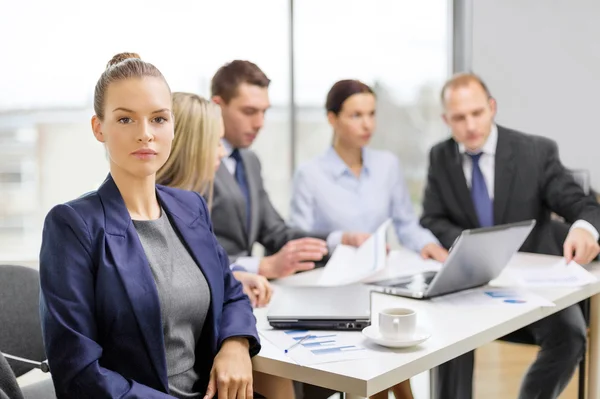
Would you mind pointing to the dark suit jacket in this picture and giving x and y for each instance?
(229, 213)
(99, 305)
(530, 182)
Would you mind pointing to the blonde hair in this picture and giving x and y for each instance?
(191, 165)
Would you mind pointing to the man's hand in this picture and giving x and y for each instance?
(257, 288)
(580, 246)
(231, 374)
(296, 255)
(435, 252)
(355, 239)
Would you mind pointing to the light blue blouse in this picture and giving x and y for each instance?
(328, 198)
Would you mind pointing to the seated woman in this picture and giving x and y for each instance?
(137, 298)
(195, 157)
(352, 187)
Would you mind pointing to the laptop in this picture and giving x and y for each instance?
(321, 308)
(477, 257)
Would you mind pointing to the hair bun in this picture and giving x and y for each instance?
(120, 58)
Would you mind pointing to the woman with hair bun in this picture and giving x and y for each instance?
(137, 297)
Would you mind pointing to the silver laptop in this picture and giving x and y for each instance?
(321, 308)
(477, 257)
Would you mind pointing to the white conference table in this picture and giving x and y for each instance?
(455, 331)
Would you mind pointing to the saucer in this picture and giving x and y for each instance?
(372, 333)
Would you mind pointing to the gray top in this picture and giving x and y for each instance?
(184, 300)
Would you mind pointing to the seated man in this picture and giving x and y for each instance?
(487, 175)
(242, 212)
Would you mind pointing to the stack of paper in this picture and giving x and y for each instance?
(559, 275)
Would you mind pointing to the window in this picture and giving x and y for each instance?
(49, 156)
(400, 48)
(56, 54)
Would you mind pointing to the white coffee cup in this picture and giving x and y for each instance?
(397, 323)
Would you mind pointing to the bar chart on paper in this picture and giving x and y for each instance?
(313, 347)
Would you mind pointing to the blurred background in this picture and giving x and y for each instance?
(540, 59)
(57, 50)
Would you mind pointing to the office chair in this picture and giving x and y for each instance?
(19, 294)
(21, 344)
(9, 389)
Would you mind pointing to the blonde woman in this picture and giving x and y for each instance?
(194, 160)
(135, 301)
(195, 157)
(197, 149)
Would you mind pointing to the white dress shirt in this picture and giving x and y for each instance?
(487, 164)
(229, 162)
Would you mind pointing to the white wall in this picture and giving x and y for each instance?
(541, 59)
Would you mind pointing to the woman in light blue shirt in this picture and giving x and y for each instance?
(355, 188)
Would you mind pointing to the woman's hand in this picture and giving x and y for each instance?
(257, 288)
(231, 374)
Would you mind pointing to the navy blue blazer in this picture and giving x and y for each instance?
(99, 305)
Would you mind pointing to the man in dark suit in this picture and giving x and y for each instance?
(242, 211)
(488, 175)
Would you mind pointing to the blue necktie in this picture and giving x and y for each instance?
(484, 206)
(240, 177)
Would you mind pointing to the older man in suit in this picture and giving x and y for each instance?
(242, 211)
(487, 175)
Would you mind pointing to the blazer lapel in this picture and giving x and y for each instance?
(132, 265)
(459, 184)
(504, 175)
(235, 192)
(253, 185)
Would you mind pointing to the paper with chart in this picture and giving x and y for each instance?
(560, 274)
(493, 297)
(320, 346)
(349, 265)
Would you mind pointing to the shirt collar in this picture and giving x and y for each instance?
(228, 147)
(338, 167)
(489, 147)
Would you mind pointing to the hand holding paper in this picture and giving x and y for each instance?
(349, 265)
